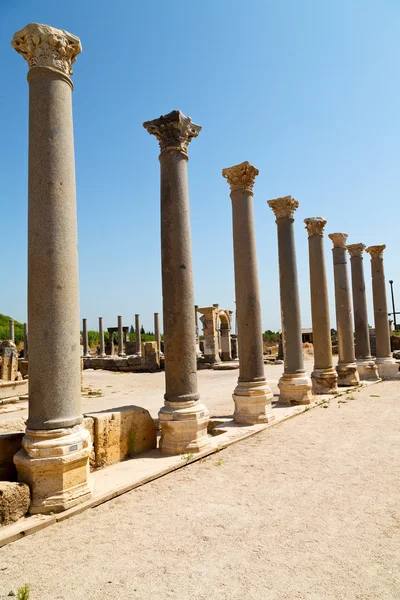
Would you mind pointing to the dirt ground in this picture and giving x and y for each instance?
(309, 509)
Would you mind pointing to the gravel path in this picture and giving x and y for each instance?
(309, 509)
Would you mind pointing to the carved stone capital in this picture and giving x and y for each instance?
(376, 251)
(315, 225)
(339, 239)
(283, 207)
(45, 46)
(356, 250)
(174, 131)
(241, 177)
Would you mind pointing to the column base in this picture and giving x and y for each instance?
(183, 427)
(367, 369)
(388, 368)
(295, 388)
(324, 381)
(55, 464)
(347, 374)
(252, 403)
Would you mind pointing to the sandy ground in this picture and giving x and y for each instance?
(147, 390)
(309, 509)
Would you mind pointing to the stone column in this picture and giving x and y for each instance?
(120, 337)
(196, 325)
(138, 336)
(11, 333)
(252, 395)
(184, 418)
(54, 459)
(366, 366)
(324, 377)
(387, 366)
(26, 350)
(101, 338)
(111, 334)
(85, 338)
(295, 385)
(346, 367)
(210, 333)
(157, 334)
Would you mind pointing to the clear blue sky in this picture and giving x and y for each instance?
(306, 90)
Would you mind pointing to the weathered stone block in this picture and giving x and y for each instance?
(121, 433)
(10, 443)
(14, 501)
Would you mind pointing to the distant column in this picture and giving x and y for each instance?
(196, 324)
(101, 338)
(25, 341)
(11, 333)
(54, 460)
(252, 395)
(366, 366)
(120, 337)
(324, 377)
(387, 366)
(157, 334)
(184, 418)
(85, 338)
(346, 367)
(111, 334)
(294, 385)
(138, 335)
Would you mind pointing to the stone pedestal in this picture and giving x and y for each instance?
(366, 366)
(324, 377)
(252, 395)
(209, 321)
(101, 338)
(120, 338)
(54, 460)
(295, 385)
(346, 367)
(138, 335)
(387, 366)
(85, 339)
(183, 419)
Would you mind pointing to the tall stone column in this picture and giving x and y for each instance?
(184, 418)
(366, 366)
(252, 395)
(157, 334)
(294, 385)
(54, 459)
(85, 338)
(346, 367)
(324, 377)
(138, 335)
(11, 333)
(120, 338)
(26, 350)
(102, 353)
(387, 366)
(111, 334)
(196, 325)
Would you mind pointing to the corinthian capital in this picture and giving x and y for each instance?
(339, 239)
(283, 207)
(376, 251)
(44, 46)
(356, 250)
(241, 177)
(174, 131)
(315, 225)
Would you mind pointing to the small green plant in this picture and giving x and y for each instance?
(374, 396)
(219, 463)
(24, 592)
(188, 456)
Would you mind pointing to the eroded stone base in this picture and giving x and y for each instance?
(183, 427)
(324, 381)
(347, 374)
(295, 389)
(388, 368)
(367, 370)
(55, 464)
(252, 403)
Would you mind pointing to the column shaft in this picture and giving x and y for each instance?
(120, 337)
(11, 330)
(157, 334)
(26, 350)
(85, 338)
(324, 377)
(101, 337)
(138, 335)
